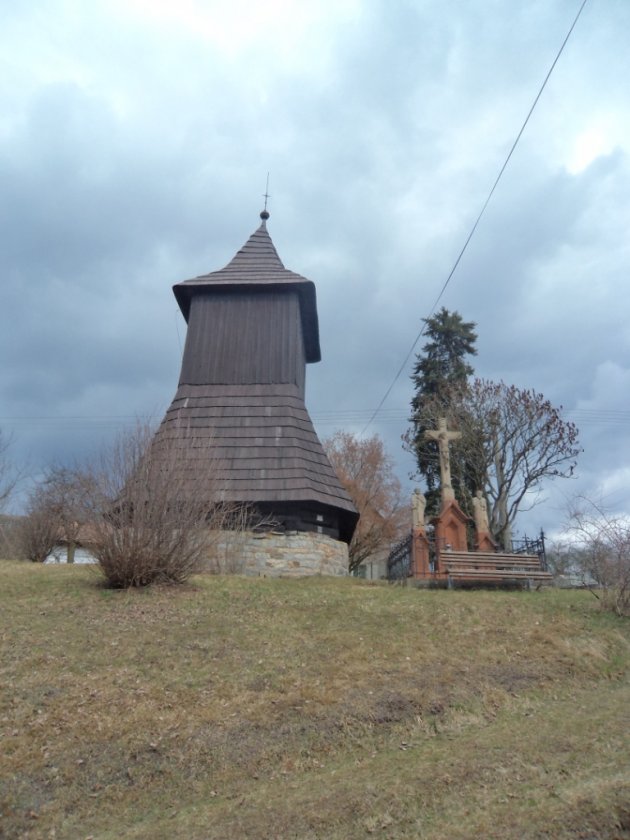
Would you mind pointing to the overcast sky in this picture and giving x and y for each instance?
(135, 141)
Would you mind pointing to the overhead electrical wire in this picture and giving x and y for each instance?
(593, 416)
(86, 422)
(477, 220)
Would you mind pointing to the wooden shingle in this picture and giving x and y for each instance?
(238, 421)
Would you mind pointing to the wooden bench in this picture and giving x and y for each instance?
(492, 567)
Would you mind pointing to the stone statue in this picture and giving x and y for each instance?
(418, 504)
(443, 438)
(480, 511)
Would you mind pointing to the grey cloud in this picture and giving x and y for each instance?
(149, 168)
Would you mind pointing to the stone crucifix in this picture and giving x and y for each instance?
(443, 438)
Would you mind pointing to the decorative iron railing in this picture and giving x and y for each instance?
(527, 545)
(399, 562)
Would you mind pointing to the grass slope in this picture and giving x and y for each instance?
(314, 708)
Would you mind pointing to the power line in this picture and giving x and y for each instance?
(478, 219)
(87, 422)
(613, 414)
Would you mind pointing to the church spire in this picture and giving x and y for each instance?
(264, 215)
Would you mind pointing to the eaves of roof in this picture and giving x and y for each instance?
(258, 264)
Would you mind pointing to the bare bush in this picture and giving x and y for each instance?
(147, 523)
(9, 476)
(38, 530)
(563, 558)
(55, 514)
(603, 542)
(10, 537)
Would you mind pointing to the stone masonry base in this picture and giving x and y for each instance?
(294, 554)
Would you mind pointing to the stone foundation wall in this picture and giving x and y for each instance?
(294, 554)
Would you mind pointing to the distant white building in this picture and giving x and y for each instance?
(59, 554)
(82, 552)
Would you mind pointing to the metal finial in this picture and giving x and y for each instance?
(265, 214)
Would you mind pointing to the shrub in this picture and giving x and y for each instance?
(147, 526)
(603, 540)
(37, 533)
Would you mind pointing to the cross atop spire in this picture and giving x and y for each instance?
(265, 213)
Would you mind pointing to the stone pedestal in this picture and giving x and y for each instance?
(420, 554)
(450, 527)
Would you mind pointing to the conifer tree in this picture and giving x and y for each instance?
(440, 367)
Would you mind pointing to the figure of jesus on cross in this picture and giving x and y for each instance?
(443, 438)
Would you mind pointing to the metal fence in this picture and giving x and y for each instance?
(527, 545)
(399, 561)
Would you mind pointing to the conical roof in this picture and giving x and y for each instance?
(257, 264)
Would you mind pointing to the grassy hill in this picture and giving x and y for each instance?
(242, 708)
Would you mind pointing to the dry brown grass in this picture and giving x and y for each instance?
(235, 707)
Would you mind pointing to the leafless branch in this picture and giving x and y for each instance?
(603, 539)
(366, 471)
(149, 523)
(9, 475)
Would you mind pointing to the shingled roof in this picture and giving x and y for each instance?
(259, 439)
(237, 431)
(257, 264)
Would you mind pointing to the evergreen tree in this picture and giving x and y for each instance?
(440, 367)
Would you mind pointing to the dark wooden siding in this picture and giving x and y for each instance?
(244, 337)
(257, 265)
(254, 444)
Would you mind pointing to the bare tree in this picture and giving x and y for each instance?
(56, 513)
(63, 493)
(513, 439)
(367, 473)
(38, 531)
(562, 558)
(9, 476)
(147, 522)
(603, 541)
(9, 544)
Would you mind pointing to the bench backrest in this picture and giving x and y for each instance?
(488, 558)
